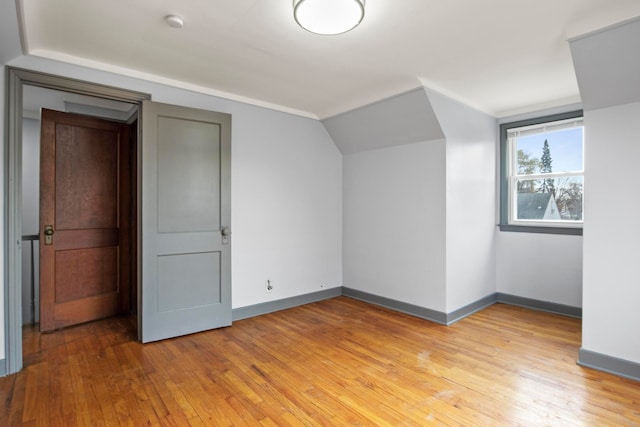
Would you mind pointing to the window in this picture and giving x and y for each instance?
(542, 174)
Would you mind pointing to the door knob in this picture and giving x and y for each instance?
(225, 235)
(48, 234)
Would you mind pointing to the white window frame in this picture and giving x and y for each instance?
(510, 176)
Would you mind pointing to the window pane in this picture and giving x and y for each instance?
(549, 151)
(541, 166)
(553, 199)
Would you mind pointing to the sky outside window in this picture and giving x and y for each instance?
(565, 147)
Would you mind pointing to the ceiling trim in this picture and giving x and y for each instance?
(551, 104)
(22, 27)
(128, 72)
(577, 34)
(377, 101)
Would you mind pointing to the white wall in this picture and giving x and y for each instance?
(611, 313)
(286, 207)
(470, 201)
(545, 267)
(30, 213)
(419, 221)
(30, 176)
(286, 190)
(394, 223)
(471, 252)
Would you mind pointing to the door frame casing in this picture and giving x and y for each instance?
(16, 79)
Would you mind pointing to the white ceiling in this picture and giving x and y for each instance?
(500, 56)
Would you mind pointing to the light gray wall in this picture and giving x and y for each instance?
(394, 199)
(608, 70)
(30, 176)
(470, 201)
(394, 223)
(545, 267)
(30, 215)
(286, 207)
(611, 250)
(419, 221)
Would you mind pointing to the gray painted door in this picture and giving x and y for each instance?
(186, 217)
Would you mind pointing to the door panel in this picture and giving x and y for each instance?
(85, 273)
(186, 260)
(188, 186)
(203, 286)
(86, 177)
(84, 196)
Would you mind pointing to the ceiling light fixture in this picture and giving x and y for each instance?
(328, 17)
(174, 21)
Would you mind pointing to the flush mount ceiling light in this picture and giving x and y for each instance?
(174, 21)
(328, 17)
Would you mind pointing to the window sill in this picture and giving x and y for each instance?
(571, 231)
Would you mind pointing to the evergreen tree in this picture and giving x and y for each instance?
(545, 167)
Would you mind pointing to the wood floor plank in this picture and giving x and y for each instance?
(336, 362)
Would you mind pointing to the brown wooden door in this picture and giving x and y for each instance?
(85, 178)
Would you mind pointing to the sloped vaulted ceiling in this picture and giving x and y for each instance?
(402, 119)
(419, 115)
(607, 64)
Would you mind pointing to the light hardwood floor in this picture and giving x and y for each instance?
(334, 363)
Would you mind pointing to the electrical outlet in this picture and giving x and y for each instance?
(268, 286)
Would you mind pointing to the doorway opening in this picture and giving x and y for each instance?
(29, 92)
(77, 170)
